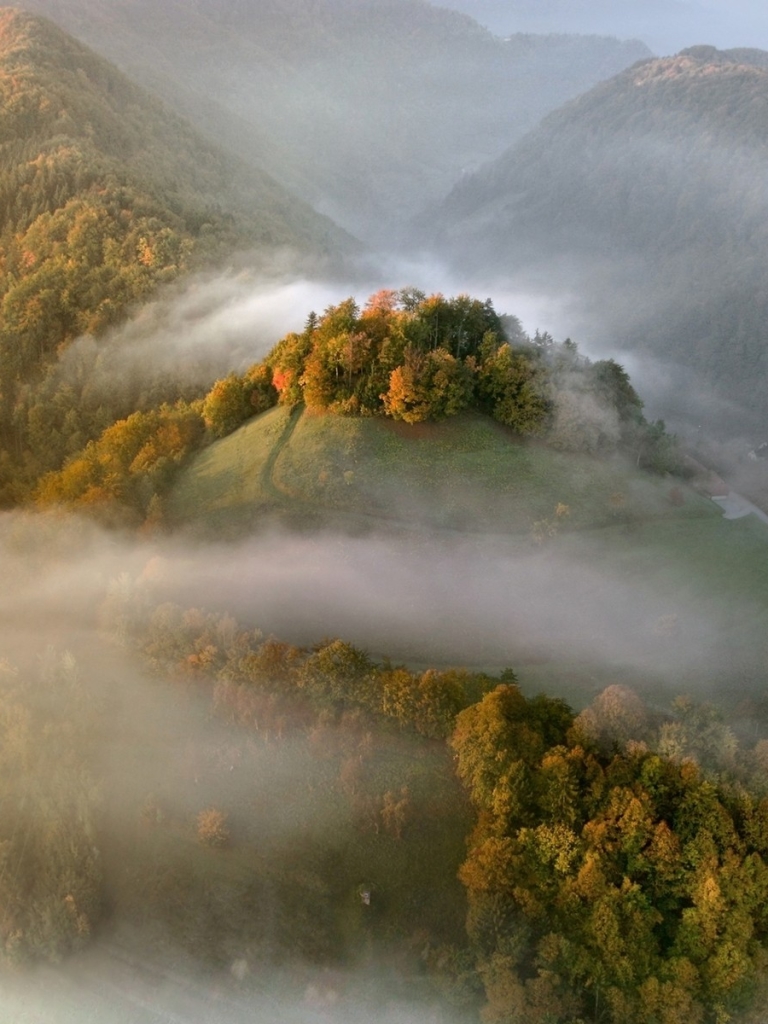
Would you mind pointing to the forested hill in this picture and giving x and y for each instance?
(70, 120)
(648, 190)
(367, 108)
(104, 195)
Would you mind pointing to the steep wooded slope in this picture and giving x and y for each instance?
(646, 196)
(104, 195)
(369, 109)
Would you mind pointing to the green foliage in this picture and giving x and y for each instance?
(513, 387)
(604, 871)
(134, 459)
(227, 405)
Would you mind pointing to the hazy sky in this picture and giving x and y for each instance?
(664, 25)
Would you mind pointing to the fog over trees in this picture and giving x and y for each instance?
(370, 647)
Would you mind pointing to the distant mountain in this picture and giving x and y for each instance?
(664, 25)
(647, 197)
(368, 108)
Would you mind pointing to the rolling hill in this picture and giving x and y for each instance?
(467, 474)
(366, 109)
(644, 197)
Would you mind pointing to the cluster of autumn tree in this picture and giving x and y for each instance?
(413, 357)
(618, 864)
(613, 872)
(261, 682)
(122, 475)
(404, 355)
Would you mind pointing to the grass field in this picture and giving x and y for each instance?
(467, 473)
(684, 590)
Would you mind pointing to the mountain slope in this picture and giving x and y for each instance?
(645, 196)
(57, 93)
(368, 109)
(104, 195)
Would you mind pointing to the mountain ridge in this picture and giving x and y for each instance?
(643, 198)
(366, 110)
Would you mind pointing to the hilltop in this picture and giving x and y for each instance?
(643, 197)
(437, 423)
(366, 109)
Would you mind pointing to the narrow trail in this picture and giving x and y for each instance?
(268, 470)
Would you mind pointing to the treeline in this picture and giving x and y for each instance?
(262, 682)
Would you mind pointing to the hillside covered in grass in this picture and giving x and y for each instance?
(484, 439)
(467, 474)
(404, 359)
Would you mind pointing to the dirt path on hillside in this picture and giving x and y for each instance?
(268, 471)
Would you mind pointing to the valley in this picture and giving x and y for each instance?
(368, 651)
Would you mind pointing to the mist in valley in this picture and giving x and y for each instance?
(421, 597)
(492, 602)
(286, 913)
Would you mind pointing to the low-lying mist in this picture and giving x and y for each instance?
(575, 605)
(216, 323)
(443, 598)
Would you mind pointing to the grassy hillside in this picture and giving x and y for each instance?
(367, 109)
(646, 189)
(467, 474)
(652, 568)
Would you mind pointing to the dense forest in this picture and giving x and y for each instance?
(104, 197)
(615, 865)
